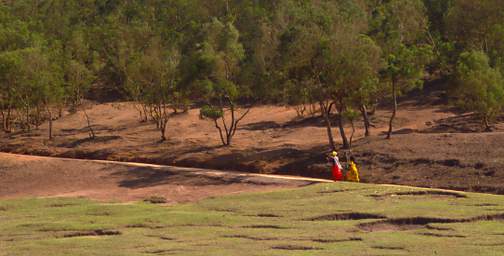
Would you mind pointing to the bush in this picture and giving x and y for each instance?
(211, 112)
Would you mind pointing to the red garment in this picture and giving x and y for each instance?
(337, 174)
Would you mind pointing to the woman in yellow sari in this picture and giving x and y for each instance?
(352, 173)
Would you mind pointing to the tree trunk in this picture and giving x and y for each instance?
(163, 129)
(27, 121)
(220, 132)
(7, 120)
(394, 111)
(353, 132)
(232, 128)
(50, 123)
(39, 119)
(486, 124)
(3, 119)
(344, 138)
(230, 132)
(163, 120)
(365, 117)
(326, 112)
(236, 122)
(92, 134)
(60, 111)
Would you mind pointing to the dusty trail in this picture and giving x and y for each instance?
(34, 176)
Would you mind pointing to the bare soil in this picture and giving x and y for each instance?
(31, 176)
(433, 145)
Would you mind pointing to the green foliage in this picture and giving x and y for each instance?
(406, 67)
(211, 112)
(480, 87)
(471, 23)
(228, 51)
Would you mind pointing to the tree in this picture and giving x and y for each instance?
(10, 63)
(301, 63)
(219, 57)
(471, 24)
(14, 36)
(480, 87)
(43, 80)
(318, 52)
(30, 82)
(354, 75)
(400, 28)
(152, 80)
(405, 71)
(478, 26)
(78, 79)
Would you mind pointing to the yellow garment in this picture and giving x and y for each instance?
(353, 173)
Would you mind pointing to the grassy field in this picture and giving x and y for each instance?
(325, 219)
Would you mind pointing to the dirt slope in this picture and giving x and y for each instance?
(433, 146)
(28, 176)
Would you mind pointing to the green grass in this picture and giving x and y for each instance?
(275, 223)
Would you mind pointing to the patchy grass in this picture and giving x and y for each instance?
(313, 220)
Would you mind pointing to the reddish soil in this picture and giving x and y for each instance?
(29, 176)
(433, 146)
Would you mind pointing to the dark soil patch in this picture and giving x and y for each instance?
(438, 228)
(347, 216)
(295, 248)
(3, 209)
(167, 238)
(487, 189)
(493, 244)
(265, 226)
(156, 200)
(451, 163)
(440, 235)
(225, 210)
(265, 215)
(60, 205)
(352, 239)
(420, 222)
(163, 251)
(100, 214)
(338, 191)
(485, 205)
(389, 247)
(251, 237)
(99, 139)
(137, 226)
(98, 232)
(423, 193)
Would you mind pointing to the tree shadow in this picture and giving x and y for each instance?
(98, 139)
(291, 161)
(259, 126)
(102, 154)
(141, 177)
(465, 123)
(313, 121)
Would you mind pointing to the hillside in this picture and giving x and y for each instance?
(29, 176)
(433, 146)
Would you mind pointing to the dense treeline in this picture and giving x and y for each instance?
(339, 57)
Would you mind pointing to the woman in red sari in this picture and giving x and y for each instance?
(336, 166)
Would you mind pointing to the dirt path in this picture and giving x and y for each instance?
(33, 176)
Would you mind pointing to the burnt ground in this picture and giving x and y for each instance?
(433, 145)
